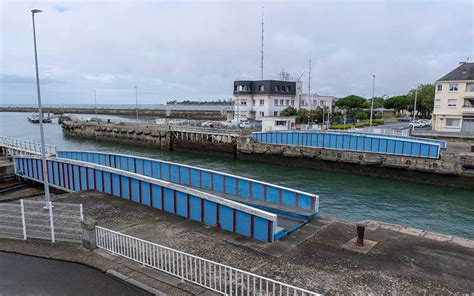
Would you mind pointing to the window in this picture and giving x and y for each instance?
(262, 102)
(292, 102)
(282, 102)
(470, 87)
(243, 102)
(261, 87)
(262, 114)
(322, 102)
(453, 87)
(280, 123)
(277, 88)
(439, 87)
(452, 102)
(451, 122)
(287, 102)
(437, 103)
(288, 88)
(276, 102)
(241, 87)
(275, 113)
(235, 87)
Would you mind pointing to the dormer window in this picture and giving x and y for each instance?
(453, 87)
(439, 87)
(261, 87)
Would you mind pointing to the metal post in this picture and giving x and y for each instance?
(95, 102)
(40, 111)
(51, 221)
(23, 222)
(81, 212)
(414, 109)
(136, 100)
(372, 104)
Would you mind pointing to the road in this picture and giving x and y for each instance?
(26, 275)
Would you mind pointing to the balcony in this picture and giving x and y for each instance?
(467, 109)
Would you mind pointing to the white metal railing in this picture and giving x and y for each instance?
(33, 219)
(212, 275)
(25, 146)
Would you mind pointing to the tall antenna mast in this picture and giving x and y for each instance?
(261, 52)
(309, 78)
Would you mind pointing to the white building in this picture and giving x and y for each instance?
(255, 99)
(454, 100)
(271, 123)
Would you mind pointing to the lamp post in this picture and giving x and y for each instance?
(40, 111)
(414, 110)
(95, 102)
(136, 100)
(372, 104)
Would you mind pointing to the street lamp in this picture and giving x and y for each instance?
(372, 104)
(95, 102)
(414, 110)
(40, 111)
(136, 100)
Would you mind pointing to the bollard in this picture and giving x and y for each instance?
(88, 233)
(360, 233)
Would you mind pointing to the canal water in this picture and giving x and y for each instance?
(344, 196)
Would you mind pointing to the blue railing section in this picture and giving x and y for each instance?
(184, 201)
(442, 143)
(352, 142)
(201, 178)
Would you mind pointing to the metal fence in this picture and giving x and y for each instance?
(33, 219)
(200, 271)
(17, 146)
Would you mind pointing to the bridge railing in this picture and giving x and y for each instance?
(25, 146)
(209, 274)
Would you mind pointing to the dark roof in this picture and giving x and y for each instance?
(465, 71)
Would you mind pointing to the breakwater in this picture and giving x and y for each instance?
(184, 114)
(449, 169)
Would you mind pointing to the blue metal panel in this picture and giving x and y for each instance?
(339, 141)
(416, 149)
(260, 228)
(244, 188)
(332, 141)
(433, 151)
(156, 196)
(169, 200)
(174, 169)
(195, 180)
(140, 166)
(194, 208)
(242, 223)
(398, 146)
(102, 159)
(383, 145)
(206, 180)
(257, 191)
(135, 190)
(375, 145)
(230, 185)
(130, 164)
(147, 167)
(145, 193)
(91, 178)
(391, 146)
(96, 158)
(107, 187)
(184, 173)
(98, 177)
(210, 212)
(125, 188)
(304, 201)
(288, 198)
(182, 204)
(155, 169)
(165, 169)
(424, 149)
(326, 141)
(226, 218)
(218, 182)
(406, 147)
(83, 176)
(273, 194)
(116, 184)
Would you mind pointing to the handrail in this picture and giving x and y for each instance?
(26, 145)
(203, 272)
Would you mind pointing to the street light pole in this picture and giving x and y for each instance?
(40, 111)
(414, 110)
(372, 104)
(95, 102)
(136, 100)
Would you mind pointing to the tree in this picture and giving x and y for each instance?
(399, 103)
(351, 102)
(289, 111)
(425, 99)
(302, 116)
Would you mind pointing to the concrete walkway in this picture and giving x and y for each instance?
(404, 261)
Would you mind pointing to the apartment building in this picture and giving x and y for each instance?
(254, 99)
(454, 100)
(314, 102)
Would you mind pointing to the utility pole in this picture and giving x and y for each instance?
(136, 100)
(309, 82)
(372, 105)
(414, 109)
(40, 111)
(95, 102)
(261, 50)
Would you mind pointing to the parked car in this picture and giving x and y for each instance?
(416, 124)
(425, 122)
(404, 119)
(245, 124)
(208, 124)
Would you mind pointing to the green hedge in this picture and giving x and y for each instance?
(375, 122)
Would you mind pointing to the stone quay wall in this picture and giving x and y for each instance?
(452, 169)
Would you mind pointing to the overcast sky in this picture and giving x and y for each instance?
(194, 50)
